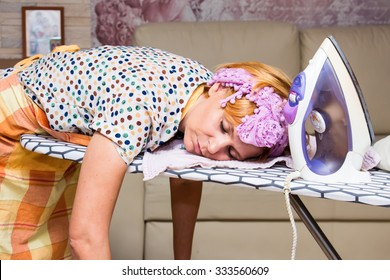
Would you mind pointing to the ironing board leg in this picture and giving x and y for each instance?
(313, 227)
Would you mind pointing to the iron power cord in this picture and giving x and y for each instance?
(287, 191)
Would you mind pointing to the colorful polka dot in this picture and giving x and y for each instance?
(132, 95)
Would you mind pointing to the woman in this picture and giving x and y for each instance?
(120, 101)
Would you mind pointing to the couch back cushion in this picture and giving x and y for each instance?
(213, 43)
(367, 49)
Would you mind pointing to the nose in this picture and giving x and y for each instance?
(218, 144)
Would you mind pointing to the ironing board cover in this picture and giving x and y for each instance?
(377, 192)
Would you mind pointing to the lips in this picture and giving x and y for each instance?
(198, 150)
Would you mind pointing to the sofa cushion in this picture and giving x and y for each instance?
(234, 203)
(213, 43)
(271, 240)
(367, 49)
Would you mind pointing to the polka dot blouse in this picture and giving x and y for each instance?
(132, 95)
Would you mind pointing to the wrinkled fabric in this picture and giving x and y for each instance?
(36, 191)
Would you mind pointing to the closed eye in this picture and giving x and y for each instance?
(229, 153)
(222, 127)
(229, 148)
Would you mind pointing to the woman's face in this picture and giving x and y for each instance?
(208, 133)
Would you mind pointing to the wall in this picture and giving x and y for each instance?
(77, 15)
(113, 21)
(81, 19)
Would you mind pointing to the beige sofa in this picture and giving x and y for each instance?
(244, 223)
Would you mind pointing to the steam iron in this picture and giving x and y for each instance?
(325, 104)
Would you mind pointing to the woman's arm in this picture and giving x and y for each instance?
(185, 201)
(101, 177)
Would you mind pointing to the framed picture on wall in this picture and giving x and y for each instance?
(42, 28)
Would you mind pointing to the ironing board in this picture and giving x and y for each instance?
(376, 193)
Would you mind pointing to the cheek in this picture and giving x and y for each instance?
(254, 152)
(212, 119)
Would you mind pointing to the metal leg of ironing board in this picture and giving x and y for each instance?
(314, 228)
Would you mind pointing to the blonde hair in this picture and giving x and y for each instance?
(264, 75)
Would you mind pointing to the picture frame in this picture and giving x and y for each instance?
(42, 29)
